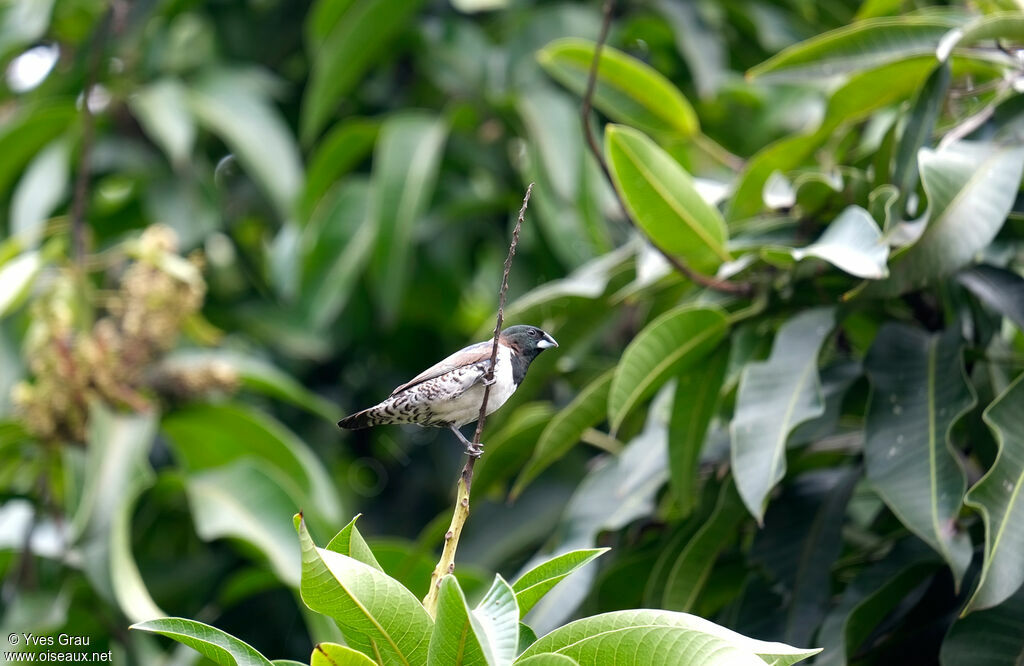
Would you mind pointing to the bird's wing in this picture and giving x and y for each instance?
(476, 353)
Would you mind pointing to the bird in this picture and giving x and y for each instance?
(448, 394)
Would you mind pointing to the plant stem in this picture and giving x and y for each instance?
(708, 281)
(446, 564)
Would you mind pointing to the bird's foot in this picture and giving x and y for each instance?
(488, 382)
(475, 451)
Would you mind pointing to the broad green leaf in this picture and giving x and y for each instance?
(870, 597)
(999, 498)
(343, 148)
(206, 436)
(552, 121)
(497, 616)
(457, 638)
(661, 197)
(548, 659)
(351, 543)
(335, 247)
(23, 22)
(971, 188)
(628, 90)
(644, 637)
(344, 39)
(16, 278)
(378, 616)
(242, 500)
(665, 347)
(998, 288)
(774, 397)
(918, 390)
(800, 542)
(405, 166)
(852, 242)
(226, 104)
(509, 448)
(987, 638)
(117, 470)
(695, 401)
(862, 45)
(27, 130)
(563, 431)
(535, 583)
(690, 571)
(918, 131)
(783, 155)
(162, 110)
(1001, 25)
(212, 643)
(332, 654)
(39, 192)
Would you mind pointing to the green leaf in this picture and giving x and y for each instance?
(852, 242)
(690, 570)
(332, 654)
(212, 643)
(405, 167)
(548, 659)
(1000, 289)
(27, 130)
(509, 448)
(918, 131)
(644, 637)
(987, 638)
(117, 470)
(378, 616)
(344, 40)
(971, 188)
(918, 390)
(351, 543)
(39, 192)
(862, 45)
(497, 616)
(627, 90)
(336, 246)
(1001, 25)
(783, 155)
(226, 103)
(695, 401)
(999, 498)
(535, 583)
(774, 397)
(16, 278)
(665, 347)
(344, 147)
(800, 543)
(207, 436)
(566, 428)
(457, 638)
(661, 197)
(869, 598)
(242, 500)
(23, 22)
(163, 112)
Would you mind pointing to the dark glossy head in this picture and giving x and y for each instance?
(527, 340)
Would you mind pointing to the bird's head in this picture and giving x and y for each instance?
(527, 340)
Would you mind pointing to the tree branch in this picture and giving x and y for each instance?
(709, 281)
(446, 564)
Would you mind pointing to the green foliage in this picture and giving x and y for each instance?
(808, 435)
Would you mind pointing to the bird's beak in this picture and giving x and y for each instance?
(546, 341)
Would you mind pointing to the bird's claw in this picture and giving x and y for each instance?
(488, 382)
(475, 451)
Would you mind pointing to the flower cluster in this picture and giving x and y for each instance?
(73, 363)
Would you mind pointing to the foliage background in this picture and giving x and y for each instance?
(348, 171)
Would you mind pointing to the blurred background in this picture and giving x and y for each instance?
(229, 223)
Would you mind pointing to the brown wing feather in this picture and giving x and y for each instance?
(480, 351)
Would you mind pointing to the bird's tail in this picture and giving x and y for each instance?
(364, 419)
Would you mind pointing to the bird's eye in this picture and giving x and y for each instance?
(533, 332)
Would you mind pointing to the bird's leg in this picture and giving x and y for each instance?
(474, 450)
